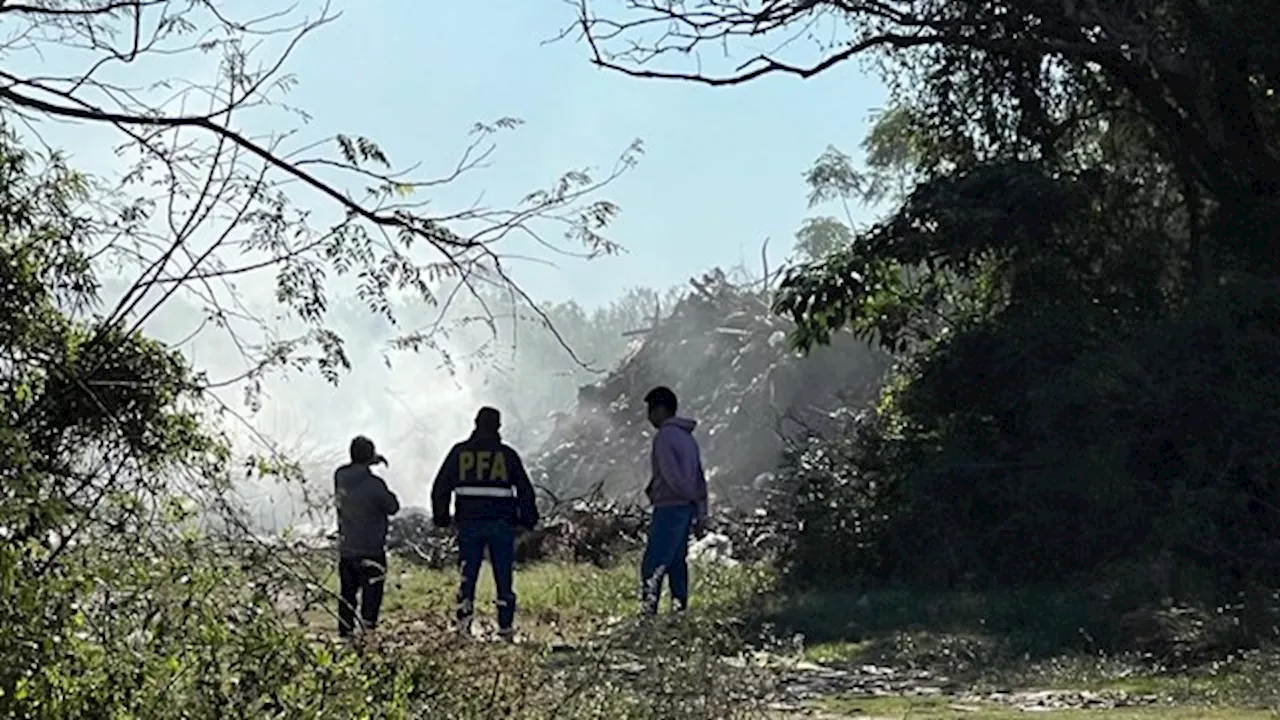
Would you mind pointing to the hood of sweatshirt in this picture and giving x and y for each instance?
(684, 423)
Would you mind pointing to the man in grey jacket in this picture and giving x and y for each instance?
(364, 506)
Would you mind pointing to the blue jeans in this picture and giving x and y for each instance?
(500, 539)
(666, 556)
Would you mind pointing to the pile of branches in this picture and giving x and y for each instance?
(589, 529)
(727, 356)
(412, 535)
(592, 530)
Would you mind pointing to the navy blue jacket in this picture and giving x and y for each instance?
(488, 482)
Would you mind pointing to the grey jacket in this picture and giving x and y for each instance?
(364, 505)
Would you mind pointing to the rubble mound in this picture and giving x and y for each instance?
(725, 354)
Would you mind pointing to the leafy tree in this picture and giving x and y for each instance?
(893, 152)
(1024, 80)
(1088, 214)
(104, 448)
(819, 236)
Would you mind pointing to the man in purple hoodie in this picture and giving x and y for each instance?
(678, 493)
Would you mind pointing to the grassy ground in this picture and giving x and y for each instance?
(555, 601)
(1011, 639)
(962, 647)
(583, 653)
(980, 645)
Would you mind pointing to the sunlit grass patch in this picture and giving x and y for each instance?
(556, 600)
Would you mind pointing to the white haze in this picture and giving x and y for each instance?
(414, 405)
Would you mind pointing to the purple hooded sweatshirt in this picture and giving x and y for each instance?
(677, 467)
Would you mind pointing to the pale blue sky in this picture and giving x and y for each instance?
(722, 168)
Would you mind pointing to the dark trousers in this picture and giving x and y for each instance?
(666, 557)
(361, 578)
(499, 538)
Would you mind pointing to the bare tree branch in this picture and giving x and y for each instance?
(208, 201)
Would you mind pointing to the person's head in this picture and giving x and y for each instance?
(488, 422)
(662, 405)
(363, 452)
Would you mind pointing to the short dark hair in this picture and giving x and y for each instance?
(363, 451)
(488, 418)
(663, 397)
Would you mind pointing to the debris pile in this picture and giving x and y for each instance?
(595, 530)
(412, 534)
(726, 355)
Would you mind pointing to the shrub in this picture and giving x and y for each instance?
(1083, 454)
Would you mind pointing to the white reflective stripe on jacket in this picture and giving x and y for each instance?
(477, 491)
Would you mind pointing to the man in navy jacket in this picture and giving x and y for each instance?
(492, 497)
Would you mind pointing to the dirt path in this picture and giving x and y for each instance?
(805, 687)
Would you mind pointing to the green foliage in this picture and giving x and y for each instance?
(819, 236)
(1082, 296)
(96, 419)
